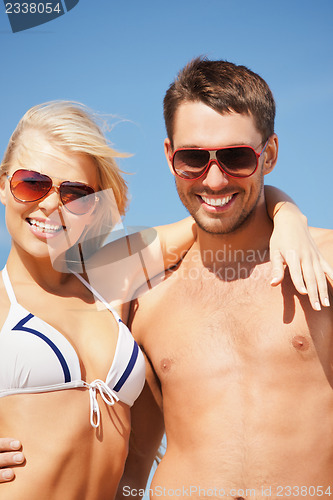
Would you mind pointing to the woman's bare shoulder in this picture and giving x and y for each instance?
(4, 302)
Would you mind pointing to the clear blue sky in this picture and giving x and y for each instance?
(120, 57)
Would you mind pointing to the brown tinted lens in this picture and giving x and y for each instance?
(27, 185)
(79, 198)
(239, 162)
(190, 163)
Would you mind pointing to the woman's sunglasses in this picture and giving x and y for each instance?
(236, 161)
(29, 186)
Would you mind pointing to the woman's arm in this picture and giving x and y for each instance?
(175, 240)
(133, 261)
(291, 244)
(127, 265)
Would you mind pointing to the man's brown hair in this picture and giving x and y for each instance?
(224, 87)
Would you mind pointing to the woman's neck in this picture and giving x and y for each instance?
(23, 267)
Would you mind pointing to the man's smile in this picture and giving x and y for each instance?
(219, 201)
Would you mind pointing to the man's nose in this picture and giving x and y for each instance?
(215, 178)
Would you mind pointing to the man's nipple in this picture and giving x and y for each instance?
(166, 365)
(300, 343)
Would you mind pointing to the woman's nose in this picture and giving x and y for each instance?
(51, 201)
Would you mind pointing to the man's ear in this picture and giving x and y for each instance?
(168, 153)
(3, 189)
(271, 154)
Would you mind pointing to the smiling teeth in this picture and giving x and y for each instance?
(216, 202)
(43, 226)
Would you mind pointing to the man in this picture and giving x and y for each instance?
(239, 372)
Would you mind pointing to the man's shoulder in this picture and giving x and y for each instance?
(155, 286)
(322, 236)
(149, 301)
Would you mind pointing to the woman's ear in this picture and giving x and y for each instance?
(92, 216)
(271, 154)
(168, 154)
(3, 189)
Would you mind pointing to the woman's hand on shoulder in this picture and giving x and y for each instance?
(292, 245)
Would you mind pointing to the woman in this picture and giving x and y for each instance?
(69, 367)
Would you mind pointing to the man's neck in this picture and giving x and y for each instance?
(252, 237)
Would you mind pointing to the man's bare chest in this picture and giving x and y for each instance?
(220, 327)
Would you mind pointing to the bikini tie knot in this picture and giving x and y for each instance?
(108, 395)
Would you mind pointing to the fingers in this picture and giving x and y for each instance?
(328, 270)
(296, 272)
(308, 275)
(9, 444)
(321, 279)
(313, 270)
(9, 458)
(277, 268)
(292, 244)
(312, 275)
(6, 475)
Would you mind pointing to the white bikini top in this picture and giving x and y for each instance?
(35, 357)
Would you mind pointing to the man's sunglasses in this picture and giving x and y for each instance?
(236, 161)
(29, 186)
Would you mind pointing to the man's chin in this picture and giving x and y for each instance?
(221, 227)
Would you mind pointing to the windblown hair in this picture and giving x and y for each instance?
(224, 87)
(73, 128)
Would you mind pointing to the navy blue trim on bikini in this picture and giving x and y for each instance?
(20, 327)
(128, 368)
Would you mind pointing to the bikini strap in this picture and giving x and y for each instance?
(97, 295)
(8, 286)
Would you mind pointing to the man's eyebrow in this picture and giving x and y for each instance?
(195, 146)
(187, 146)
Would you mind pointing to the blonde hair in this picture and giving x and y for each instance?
(73, 127)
